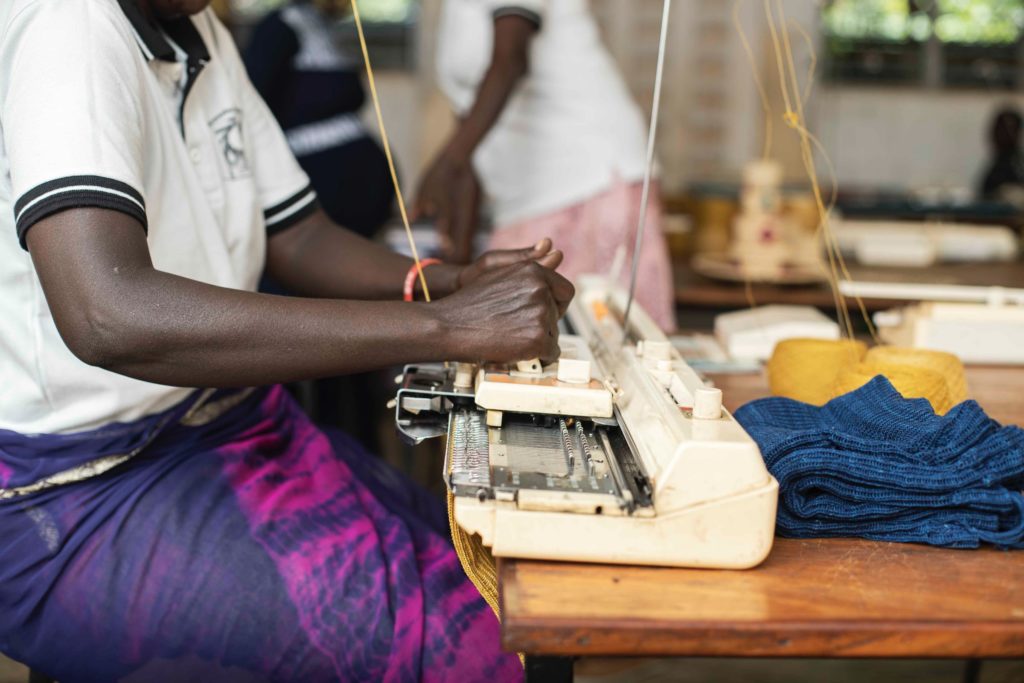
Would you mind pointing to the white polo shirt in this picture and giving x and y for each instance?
(99, 108)
(571, 126)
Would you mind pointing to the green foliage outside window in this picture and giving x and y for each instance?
(953, 21)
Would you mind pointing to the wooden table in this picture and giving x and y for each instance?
(695, 290)
(811, 598)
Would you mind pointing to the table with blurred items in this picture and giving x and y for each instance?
(883, 242)
(695, 290)
(829, 598)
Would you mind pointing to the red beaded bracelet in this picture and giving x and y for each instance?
(413, 275)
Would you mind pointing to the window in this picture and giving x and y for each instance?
(935, 43)
(389, 25)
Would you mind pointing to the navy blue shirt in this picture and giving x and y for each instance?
(315, 91)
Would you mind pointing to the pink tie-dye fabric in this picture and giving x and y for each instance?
(255, 548)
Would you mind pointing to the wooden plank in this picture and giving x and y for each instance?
(811, 598)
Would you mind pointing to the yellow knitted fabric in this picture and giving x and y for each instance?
(477, 561)
(817, 370)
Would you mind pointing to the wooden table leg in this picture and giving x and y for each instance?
(972, 671)
(548, 669)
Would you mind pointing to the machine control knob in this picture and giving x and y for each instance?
(707, 404)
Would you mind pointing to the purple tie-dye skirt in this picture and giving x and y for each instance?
(229, 539)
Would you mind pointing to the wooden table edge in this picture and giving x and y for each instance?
(866, 639)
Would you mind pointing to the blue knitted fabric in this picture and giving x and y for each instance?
(876, 465)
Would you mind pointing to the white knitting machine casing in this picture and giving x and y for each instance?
(981, 325)
(714, 501)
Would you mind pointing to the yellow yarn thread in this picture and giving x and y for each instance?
(476, 560)
(817, 370)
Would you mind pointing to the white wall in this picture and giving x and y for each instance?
(896, 138)
(907, 138)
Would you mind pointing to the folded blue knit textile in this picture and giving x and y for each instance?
(876, 465)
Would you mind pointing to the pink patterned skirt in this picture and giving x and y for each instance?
(591, 232)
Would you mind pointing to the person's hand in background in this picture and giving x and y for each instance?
(450, 192)
(446, 278)
(450, 196)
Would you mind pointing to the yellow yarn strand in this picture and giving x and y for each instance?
(761, 91)
(794, 118)
(815, 370)
(387, 149)
(475, 559)
(812, 68)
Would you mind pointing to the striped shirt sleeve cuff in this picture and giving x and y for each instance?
(72, 192)
(517, 11)
(285, 214)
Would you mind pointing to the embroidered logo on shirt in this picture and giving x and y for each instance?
(227, 129)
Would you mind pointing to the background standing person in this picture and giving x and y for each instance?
(548, 125)
(315, 91)
(1004, 178)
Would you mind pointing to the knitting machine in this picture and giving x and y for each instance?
(617, 453)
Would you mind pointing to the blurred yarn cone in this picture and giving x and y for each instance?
(807, 370)
(912, 381)
(817, 370)
(946, 364)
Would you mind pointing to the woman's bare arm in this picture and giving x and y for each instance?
(116, 311)
(318, 258)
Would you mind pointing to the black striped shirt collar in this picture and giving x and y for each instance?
(152, 42)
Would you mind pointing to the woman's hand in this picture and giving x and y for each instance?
(541, 252)
(446, 278)
(507, 313)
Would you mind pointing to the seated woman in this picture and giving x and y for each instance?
(159, 521)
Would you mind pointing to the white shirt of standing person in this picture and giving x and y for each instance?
(570, 129)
